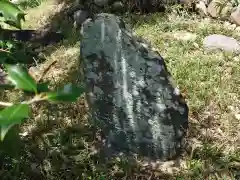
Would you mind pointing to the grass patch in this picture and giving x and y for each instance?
(210, 81)
(40, 16)
(58, 141)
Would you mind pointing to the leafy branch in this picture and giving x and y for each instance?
(19, 78)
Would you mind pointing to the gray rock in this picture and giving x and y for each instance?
(201, 8)
(235, 16)
(80, 16)
(226, 11)
(206, 2)
(2, 76)
(214, 9)
(130, 91)
(187, 3)
(118, 6)
(221, 42)
(101, 2)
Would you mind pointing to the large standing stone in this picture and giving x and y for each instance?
(130, 91)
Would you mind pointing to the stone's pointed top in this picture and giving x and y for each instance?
(80, 16)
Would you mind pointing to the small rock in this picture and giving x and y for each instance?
(2, 76)
(229, 26)
(33, 166)
(238, 29)
(232, 26)
(237, 116)
(226, 24)
(213, 9)
(226, 11)
(201, 8)
(221, 42)
(187, 3)
(79, 17)
(206, 2)
(23, 134)
(101, 3)
(235, 16)
(117, 6)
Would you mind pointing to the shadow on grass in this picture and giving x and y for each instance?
(53, 151)
(63, 146)
(61, 22)
(205, 159)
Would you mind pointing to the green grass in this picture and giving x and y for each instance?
(210, 82)
(59, 144)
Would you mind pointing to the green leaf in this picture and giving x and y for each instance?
(12, 15)
(12, 115)
(9, 45)
(6, 87)
(42, 87)
(20, 77)
(7, 147)
(69, 93)
(4, 130)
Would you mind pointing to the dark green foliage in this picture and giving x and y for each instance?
(68, 93)
(12, 115)
(18, 76)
